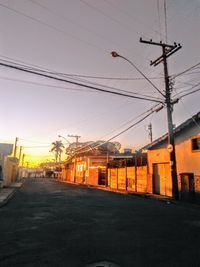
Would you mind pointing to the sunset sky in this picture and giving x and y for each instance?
(75, 37)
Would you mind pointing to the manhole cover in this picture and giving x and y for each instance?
(102, 264)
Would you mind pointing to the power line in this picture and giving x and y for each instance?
(35, 67)
(114, 88)
(82, 80)
(120, 133)
(183, 72)
(77, 83)
(149, 111)
(159, 18)
(42, 84)
(185, 108)
(188, 89)
(165, 11)
(116, 6)
(51, 27)
(24, 64)
(189, 93)
(133, 119)
(107, 16)
(68, 20)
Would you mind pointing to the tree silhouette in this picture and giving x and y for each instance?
(57, 149)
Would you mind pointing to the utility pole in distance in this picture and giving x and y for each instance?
(23, 156)
(168, 50)
(15, 146)
(150, 132)
(20, 154)
(75, 136)
(75, 159)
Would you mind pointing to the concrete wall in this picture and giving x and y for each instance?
(10, 171)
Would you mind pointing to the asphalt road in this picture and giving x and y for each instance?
(48, 223)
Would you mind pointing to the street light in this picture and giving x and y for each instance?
(115, 54)
(60, 136)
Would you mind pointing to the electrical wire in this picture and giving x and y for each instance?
(78, 79)
(186, 90)
(189, 93)
(107, 16)
(129, 121)
(165, 12)
(120, 133)
(185, 108)
(116, 6)
(24, 64)
(74, 22)
(43, 85)
(149, 111)
(77, 83)
(183, 72)
(159, 18)
(52, 27)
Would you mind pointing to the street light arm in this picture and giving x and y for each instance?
(60, 136)
(115, 54)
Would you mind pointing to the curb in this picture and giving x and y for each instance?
(95, 187)
(168, 200)
(5, 201)
(13, 189)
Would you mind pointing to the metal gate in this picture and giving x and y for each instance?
(162, 181)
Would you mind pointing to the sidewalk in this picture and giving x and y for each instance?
(7, 192)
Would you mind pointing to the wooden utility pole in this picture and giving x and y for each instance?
(23, 156)
(20, 153)
(15, 146)
(150, 132)
(168, 50)
(75, 136)
(75, 159)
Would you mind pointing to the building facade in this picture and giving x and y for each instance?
(187, 150)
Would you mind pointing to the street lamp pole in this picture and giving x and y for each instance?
(60, 136)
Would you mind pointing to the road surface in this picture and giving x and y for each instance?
(48, 223)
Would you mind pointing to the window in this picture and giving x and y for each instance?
(196, 143)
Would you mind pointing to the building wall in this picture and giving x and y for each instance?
(10, 172)
(92, 178)
(187, 160)
(67, 174)
(87, 170)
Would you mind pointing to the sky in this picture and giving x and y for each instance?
(76, 37)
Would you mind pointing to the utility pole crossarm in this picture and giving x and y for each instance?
(168, 50)
(158, 43)
(75, 136)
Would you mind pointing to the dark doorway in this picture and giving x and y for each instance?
(102, 176)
